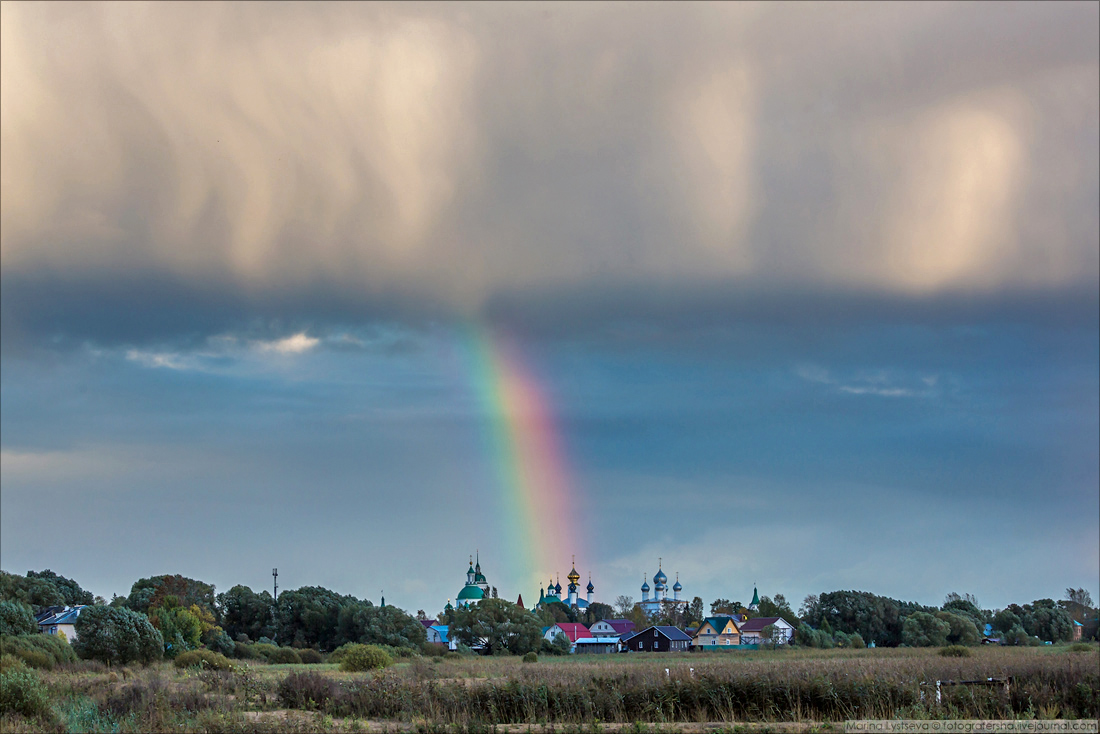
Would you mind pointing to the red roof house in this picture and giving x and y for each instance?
(573, 630)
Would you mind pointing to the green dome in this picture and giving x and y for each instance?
(471, 592)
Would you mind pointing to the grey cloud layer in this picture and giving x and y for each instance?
(361, 158)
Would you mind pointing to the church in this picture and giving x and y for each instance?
(660, 592)
(475, 589)
(573, 600)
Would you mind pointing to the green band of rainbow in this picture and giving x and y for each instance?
(531, 473)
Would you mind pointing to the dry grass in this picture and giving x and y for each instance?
(810, 688)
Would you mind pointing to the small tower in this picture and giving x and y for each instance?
(645, 589)
(470, 573)
(557, 589)
(755, 599)
(573, 577)
(660, 583)
(676, 589)
(550, 591)
(591, 589)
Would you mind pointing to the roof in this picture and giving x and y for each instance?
(471, 592)
(48, 612)
(622, 626)
(597, 641)
(627, 636)
(759, 623)
(428, 622)
(66, 616)
(574, 630)
(442, 629)
(672, 633)
(755, 598)
(719, 623)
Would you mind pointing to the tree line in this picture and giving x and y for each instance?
(167, 615)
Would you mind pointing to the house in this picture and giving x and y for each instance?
(752, 631)
(716, 631)
(612, 628)
(598, 645)
(61, 623)
(572, 630)
(428, 623)
(1077, 629)
(658, 638)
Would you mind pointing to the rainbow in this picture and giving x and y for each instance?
(538, 513)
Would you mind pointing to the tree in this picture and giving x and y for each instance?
(876, 618)
(499, 626)
(117, 635)
(309, 617)
(179, 628)
(921, 629)
(154, 591)
(597, 611)
(1079, 596)
(809, 607)
(1047, 621)
(244, 612)
(371, 625)
(16, 618)
(623, 604)
(962, 631)
(421, 614)
(69, 589)
(35, 592)
(695, 611)
(724, 606)
(1005, 620)
(777, 607)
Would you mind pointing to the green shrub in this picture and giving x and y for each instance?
(955, 651)
(9, 662)
(365, 657)
(531, 657)
(309, 656)
(856, 641)
(284, 655)
(117, 635)
(205, 659)
(16, 618)
(22, 692)
(39, 651)
(1081, 647)
(451, 655)
(245, 651)
(264, 649)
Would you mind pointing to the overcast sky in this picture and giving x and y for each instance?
(812, 293)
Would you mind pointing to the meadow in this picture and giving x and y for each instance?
(794, 689)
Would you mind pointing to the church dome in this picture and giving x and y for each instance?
(591, 588)
(660, 578)
(557, 587)
(677, 587)
(471, 593)
(645, 585)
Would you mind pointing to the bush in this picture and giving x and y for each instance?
(21, 692)
(955, 651)
(1080, 647)
(365, 657)
(264, 649)
(206, 659)
(284, 656)
(10, 662)
(309, 656)
(117, 635)
(307, 690)
(244, 651)
(451, 655)
(39, 651)
(16, 618)
(856, 641)
(531, 657)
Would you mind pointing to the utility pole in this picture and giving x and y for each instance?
(275, 575)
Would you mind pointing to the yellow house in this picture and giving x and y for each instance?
(720, 631)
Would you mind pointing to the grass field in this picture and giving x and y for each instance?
(794, 690)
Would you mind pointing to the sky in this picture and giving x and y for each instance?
(805, 296)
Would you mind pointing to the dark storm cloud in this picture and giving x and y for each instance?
(188, 169)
